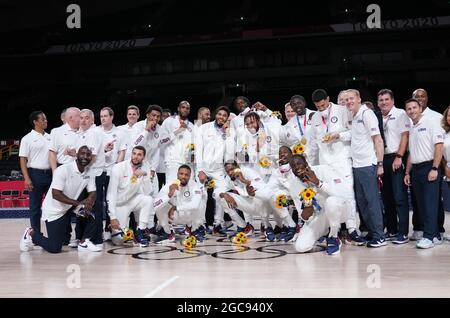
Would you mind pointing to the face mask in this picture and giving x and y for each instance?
(285, 168)
(252, 130)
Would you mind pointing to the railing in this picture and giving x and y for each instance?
(7, 151)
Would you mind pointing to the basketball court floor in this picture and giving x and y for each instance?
(217, 269)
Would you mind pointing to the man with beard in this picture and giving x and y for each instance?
(326, 211)
(242, 106)
(178, 140)
(128, 191)
(180, 202)
(239, 192)
(69, 180)
(327, 148)
(214, 146)
(277, 186)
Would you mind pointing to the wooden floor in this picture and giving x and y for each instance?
(218, 269)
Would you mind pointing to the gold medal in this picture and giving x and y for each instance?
(133, 179)
(303, 141)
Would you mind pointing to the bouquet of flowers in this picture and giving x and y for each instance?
(283, 201)
(299, 148)
(240, 238)
(189, 242)
(210, 183)
(265, 162)
(308, 198)
(277, 114)
(128, 235)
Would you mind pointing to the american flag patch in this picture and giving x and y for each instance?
(139, 140)
(374, 129)
(198, 192)
(337, 180)
(157, 203)
(165, 140)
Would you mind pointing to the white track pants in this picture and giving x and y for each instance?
(334, 213)
(142, 206)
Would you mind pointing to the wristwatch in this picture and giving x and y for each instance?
(434, 168)
(397, 155)
(380, 163)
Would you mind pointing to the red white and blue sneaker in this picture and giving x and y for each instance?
(166, 238)
(269, 234)
(249, 230)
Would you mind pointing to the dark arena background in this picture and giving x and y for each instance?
(142, 52)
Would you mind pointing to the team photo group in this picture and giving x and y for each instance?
(321, 172)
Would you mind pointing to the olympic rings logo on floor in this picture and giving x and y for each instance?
(222, 250)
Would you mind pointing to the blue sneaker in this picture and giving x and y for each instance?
(390, 236)
(199, 235)
(333, 245)
(141, 238)
(289, 235)
(400, 239)
(322, 241)
(356, 239)
(269, 234)
(376, 243)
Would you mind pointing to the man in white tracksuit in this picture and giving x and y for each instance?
(279, 184)
(239, 192)
(298, 128)
(330, 210)
(254, 142)
(133, 117)
(326, 148)
(147, 133)
(129, 185)
(214, 146)
(180, 202)
(178, 138)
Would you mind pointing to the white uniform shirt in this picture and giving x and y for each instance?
(335, 119)
(106, 160)
(177, 145)
(395, 123)
(90, 138)
(436, 117)
(63, 138)
(68, 179)
(446, 151)
(123, 186)
(214, 146)
(331, 186)
(128, 133)
(150, 140)
(250, 175)
(296, 128)
(34, 146)
(186, 199)
(423, 137)
(238, 121)
(364, 126)
(269, 145)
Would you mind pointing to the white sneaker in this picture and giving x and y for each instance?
(74, 243)
(445, 236)
(26, 244)
(87, 245)
(437, 241)
(37, 247)
(416, 236)
(424, 243)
